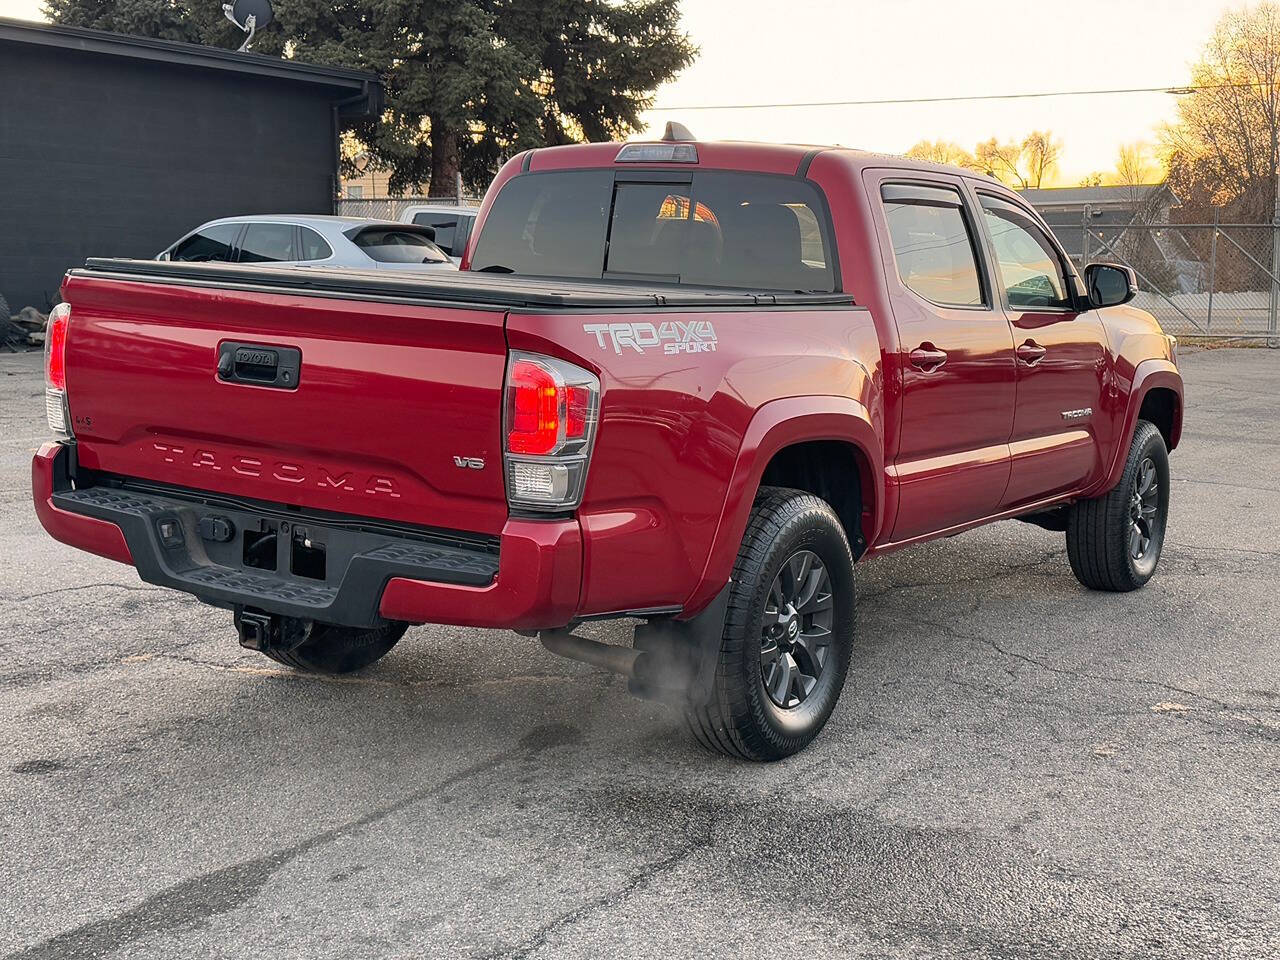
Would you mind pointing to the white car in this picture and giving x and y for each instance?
(312, 241)
(451, 224)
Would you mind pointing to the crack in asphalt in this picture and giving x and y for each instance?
(175, 594)
(1004, 571)
(540, 937)
(192, 902)
(281, 673)
(1239, 709)
(1226, 483)
(1270, 554)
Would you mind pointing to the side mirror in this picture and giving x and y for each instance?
(1110, 284)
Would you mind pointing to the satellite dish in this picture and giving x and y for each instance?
(249, 16)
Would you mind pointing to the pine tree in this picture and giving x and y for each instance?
(468, 82)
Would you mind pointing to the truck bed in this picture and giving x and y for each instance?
(480, 290)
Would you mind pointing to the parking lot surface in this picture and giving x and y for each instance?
(1017, 767)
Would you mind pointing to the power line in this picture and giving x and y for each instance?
(1175, 91)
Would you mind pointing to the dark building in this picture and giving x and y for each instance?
(116, 146)
(1110, 209)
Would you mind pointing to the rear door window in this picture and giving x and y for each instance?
(269, 243)
(393, 245)
(932, 244)
(713, 228)
(215, 243)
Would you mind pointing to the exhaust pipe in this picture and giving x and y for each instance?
(607, 656)
(658, 668)
(672, 661)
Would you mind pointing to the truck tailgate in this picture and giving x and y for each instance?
(387, 395)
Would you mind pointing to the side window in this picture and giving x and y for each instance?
(445, 227)
(214, 243)
(314, 246)
(932, 244)
(1030, 270)
(268, 243)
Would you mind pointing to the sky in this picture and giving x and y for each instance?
(764, 51)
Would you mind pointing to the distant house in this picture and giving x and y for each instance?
(1109, 208)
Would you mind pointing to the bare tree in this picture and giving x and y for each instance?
(1224, 148)
(1040, 153)
(1002, 161)
(942, 151)
(1135, 167)
(1019, 164)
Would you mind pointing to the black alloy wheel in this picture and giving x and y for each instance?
(1144, 516)
(795, 636)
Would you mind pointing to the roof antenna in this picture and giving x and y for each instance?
(249, 16)
(677, 133)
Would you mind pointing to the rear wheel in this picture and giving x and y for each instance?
(329, 648)
(788, 634)
(1114, 541)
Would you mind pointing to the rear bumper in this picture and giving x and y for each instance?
(530, 581)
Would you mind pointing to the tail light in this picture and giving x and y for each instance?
(55, 370)
(550, 417)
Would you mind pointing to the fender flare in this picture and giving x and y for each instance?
(1148, 375)
(775, 425)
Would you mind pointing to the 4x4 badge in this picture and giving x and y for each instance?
(674, 336)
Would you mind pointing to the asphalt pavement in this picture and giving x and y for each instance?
(1017, 768)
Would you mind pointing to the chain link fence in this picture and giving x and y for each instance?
(390, 208)
(1210, 280)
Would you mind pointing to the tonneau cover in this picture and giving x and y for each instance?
(488, 290)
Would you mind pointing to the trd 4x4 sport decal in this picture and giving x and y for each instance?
(674, 336)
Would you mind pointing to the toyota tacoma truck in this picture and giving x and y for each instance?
(684, 382)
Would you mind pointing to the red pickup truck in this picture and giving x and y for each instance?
(690, 383)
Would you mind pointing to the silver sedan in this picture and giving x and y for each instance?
(312, 241)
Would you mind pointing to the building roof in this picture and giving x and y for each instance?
(1049, 197)
(363, 90)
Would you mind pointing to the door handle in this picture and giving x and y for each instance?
(927, 357)
(260, 365)
(1031, 353)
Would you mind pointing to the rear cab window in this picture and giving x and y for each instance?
(712, 228)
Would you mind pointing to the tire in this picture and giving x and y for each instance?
(333, 649)
(1114, 541)
(741, 718)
